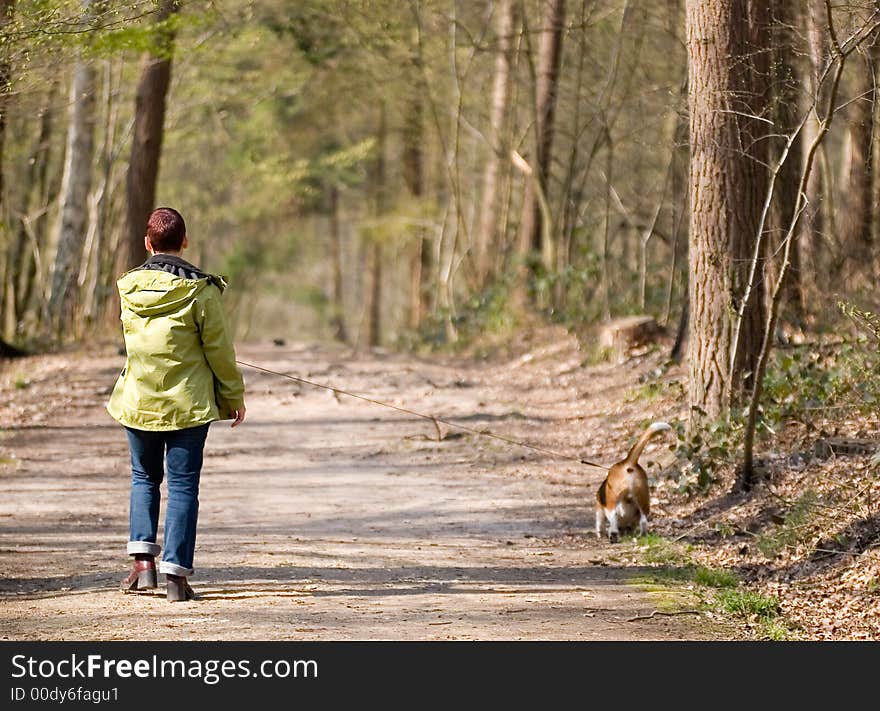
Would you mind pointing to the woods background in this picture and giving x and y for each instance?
(479, 177)
(421, 173)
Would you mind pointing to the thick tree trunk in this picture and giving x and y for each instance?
(146, 145)
(532, 229)
(725, 202)
(76, 183)
(499, 144)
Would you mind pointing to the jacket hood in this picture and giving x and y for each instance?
(148, 292)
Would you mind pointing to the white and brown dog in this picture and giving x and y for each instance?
(623, 498)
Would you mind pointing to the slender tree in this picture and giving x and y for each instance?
(816, 207)
(414, 179)
(7, 266)
(534, 233)
(378, 180)
(856, 211)
(337, 318)
(787, 84)
(76, 182)
(499, 142)
(6, 7)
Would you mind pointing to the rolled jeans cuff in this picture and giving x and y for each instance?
(173, 569)
(143, 547)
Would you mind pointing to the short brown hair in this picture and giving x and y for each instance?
(166, 229)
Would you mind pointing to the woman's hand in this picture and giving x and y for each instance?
(239, 416)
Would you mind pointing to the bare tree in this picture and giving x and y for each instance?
(414, 179)
(146, 144)
(824, 105)
(378, 180)
(856, 182)
(5, 82)
(76, 182)
(534, 232)
(499, 143)
(7, 266)
(816, 207)
(337, 318)
(786, 79)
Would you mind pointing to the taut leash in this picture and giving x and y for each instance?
(431, 418)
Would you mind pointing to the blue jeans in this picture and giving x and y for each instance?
(180, 452)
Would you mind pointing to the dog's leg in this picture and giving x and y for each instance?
(600, 520)
(613, 533)
(643, 524)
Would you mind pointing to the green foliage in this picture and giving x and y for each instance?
(485, 313)
(747, 603)
(793, 529)
(704, 452)
(800, 382)
(153, 37)
(715, 577)
(569, 294)
(658, 550)
(21, 383)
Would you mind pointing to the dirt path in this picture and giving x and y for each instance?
(329, 519)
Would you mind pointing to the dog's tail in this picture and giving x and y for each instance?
(639, 446)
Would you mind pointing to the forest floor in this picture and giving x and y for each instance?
(324, 517)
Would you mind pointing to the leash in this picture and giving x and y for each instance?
(431, 418)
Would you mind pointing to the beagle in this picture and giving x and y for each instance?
(623, 498)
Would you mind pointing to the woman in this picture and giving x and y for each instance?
(180, 375)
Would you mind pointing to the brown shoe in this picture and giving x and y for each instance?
(142, 575)
(177, 589)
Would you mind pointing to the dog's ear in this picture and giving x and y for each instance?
(601, 495)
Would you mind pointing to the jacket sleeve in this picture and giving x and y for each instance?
(219, 352)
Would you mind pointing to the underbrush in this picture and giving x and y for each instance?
(802, 387)
(713, 590)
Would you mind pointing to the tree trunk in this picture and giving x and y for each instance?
(725, 202)
(532, 229)
(751, 97)
(76, 183)
(337, 320)
(30, 235)
(378, 178)
(499, 143)
(814, 218)
(7, 268)
(856, 183)
(785, 109)
(5, 86)
(413, 177)
(146, 144)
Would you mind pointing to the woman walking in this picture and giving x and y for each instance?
(179, 376)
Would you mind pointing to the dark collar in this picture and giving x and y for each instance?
(174, 265)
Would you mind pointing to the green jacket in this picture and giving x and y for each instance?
(180, 371)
